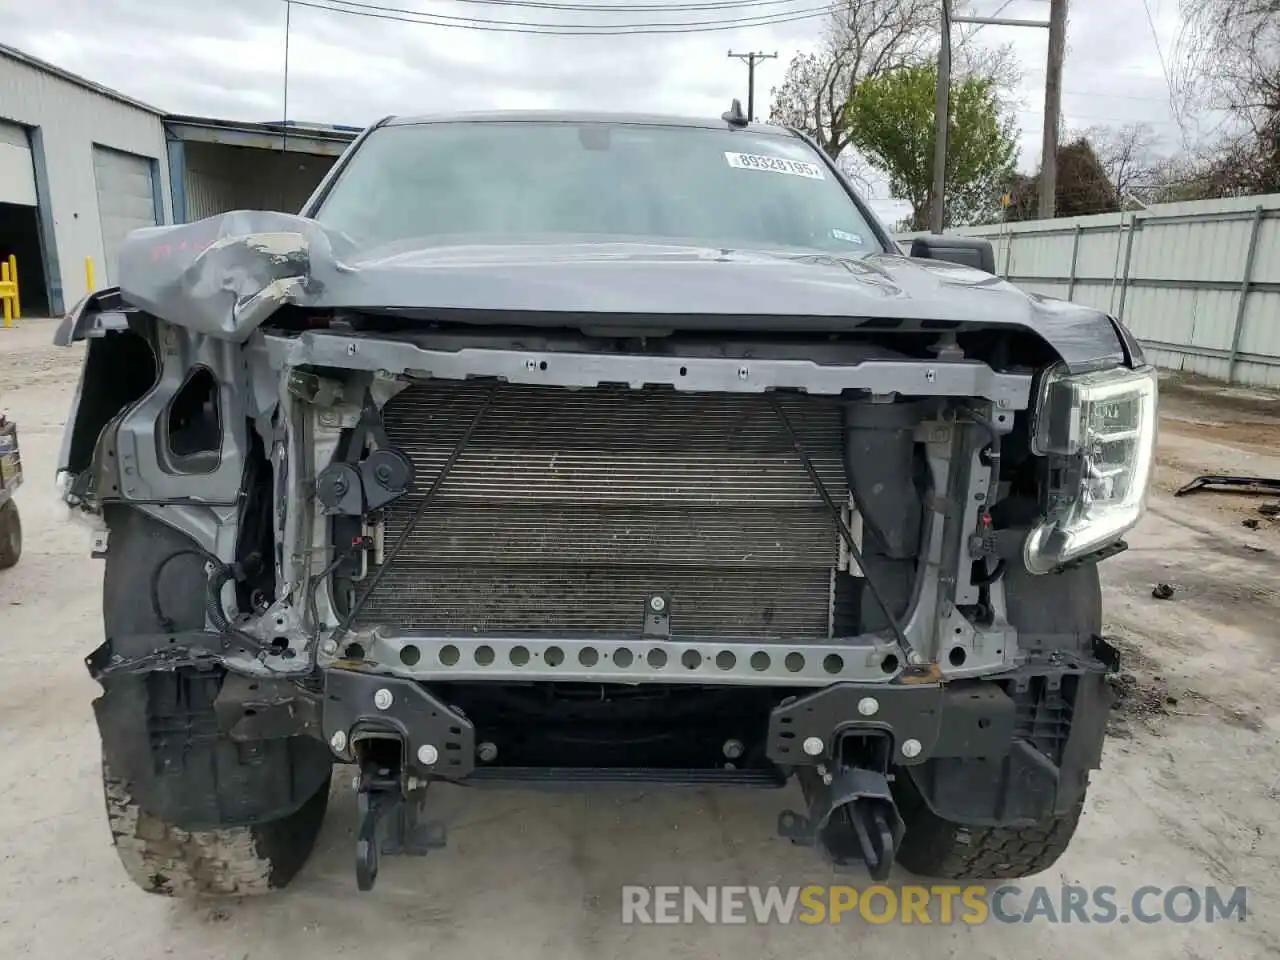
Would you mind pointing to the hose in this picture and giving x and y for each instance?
(222, 574)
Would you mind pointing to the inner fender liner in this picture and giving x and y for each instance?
(1061, 723)
(160, 734)
(160, 731)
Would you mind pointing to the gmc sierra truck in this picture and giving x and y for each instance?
(558, 449)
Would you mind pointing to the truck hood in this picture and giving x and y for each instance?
(225, 276)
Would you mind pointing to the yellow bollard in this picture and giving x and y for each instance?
(88, 273)
(6, 294)
(17, 293)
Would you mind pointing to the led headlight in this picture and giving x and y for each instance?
(1099, 431)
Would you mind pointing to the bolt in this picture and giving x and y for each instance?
(382, 472)
(352, 349)
(733, 749)
(813, 746)
(868, 706)
(931, 375)
(487, 752)
(338, 741)
(531, 365)
(428, 755)
(742, 373)
(329, 648)
(827, 779)
(382, 699)
(911, 748)
(657, 604)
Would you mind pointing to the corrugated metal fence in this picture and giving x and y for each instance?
(1198, 283)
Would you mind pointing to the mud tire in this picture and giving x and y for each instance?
(229, 862)
(937, 848)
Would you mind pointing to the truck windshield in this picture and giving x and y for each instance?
(531, 181)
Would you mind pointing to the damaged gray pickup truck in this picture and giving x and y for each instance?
(571, 450)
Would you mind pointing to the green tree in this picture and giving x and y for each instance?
(891, 123)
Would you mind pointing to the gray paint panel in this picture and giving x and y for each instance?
(126, 201)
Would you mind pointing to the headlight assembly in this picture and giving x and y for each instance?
(1099, 431)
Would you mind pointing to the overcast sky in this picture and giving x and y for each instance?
(225, 58)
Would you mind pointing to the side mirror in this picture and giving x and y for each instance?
(969, 251)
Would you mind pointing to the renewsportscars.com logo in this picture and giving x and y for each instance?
(934, 904)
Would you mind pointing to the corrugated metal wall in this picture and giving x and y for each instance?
(69, 119)
(220, 178)
(1198, 283)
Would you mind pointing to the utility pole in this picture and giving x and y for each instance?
(1052, 107)
(942, 106)
(751, 59)
(941, 119)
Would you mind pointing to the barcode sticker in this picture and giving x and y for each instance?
(754, 161)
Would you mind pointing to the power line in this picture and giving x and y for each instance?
(1113, 96)
(661, 7)
(1164, 67)
(482, 24)
(1086, 116)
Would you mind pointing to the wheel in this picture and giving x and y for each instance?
(232, 861)
(10, 534)
(191, 811)
(938, 848)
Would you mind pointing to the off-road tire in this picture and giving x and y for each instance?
(937, 848)
(10, 535)
(229, 862)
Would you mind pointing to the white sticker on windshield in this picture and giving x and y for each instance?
(753, 161)
(846, 236)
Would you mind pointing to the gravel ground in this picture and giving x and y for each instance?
(1187, 794)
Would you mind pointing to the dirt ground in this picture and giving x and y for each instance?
(1188, 794)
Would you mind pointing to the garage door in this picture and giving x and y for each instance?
(126, 200)
(17, 176)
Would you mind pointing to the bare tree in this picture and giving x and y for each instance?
(864, 39)
(1128, 155)
(1234, 45)
(1229, 58)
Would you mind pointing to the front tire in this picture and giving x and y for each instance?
(941, 849)
(232, 861)
(10, 535)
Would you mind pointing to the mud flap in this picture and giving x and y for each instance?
(852, 818)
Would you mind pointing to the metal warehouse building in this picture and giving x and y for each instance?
(81, 165)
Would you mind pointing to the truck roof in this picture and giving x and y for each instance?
(585, 116)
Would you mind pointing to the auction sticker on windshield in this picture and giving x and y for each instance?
(754, 161)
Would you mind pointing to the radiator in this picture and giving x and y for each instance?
(569, 509)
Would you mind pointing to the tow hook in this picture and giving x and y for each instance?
(852, 817)
(390, 807)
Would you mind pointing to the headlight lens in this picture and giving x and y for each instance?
(1103, 427)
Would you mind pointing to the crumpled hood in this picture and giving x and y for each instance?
(224, 276)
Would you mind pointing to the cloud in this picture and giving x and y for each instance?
(226, 59)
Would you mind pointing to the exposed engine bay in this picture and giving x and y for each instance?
(449, 550)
